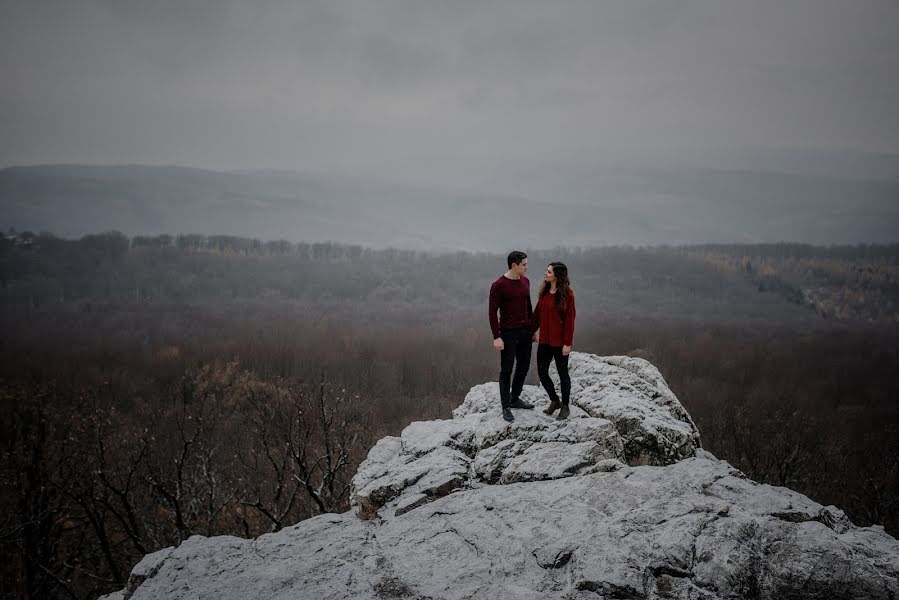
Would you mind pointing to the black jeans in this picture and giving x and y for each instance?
(517, 352)
(545, 353)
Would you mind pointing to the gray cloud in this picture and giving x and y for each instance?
(388, 84)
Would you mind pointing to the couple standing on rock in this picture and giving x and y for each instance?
(517, 326)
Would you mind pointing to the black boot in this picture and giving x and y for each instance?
(563, 414)
(519, 403)
(553, 407)
(507, 415)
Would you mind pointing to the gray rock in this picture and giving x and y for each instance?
(491, 462)
(552, 460)
(436, 457)
(621, 409)
(631, 393)
(410, 502)
(434, 474)
(147, 568)
(682, 531)
(474, 507)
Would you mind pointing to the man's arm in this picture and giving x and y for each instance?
(530, 307)
(493, 307)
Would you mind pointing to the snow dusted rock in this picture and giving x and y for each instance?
(631, 393)
(474, 507)
(434, 458)
(147, 568)
(692, 530)
(621, 409)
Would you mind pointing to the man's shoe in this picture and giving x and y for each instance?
(519, 403)
(563, 414)
(553, 407)
(507, 415)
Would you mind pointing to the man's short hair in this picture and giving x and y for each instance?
(515, 257)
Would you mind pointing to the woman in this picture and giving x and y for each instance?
(554, 317)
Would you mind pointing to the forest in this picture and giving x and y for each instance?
(155, 388)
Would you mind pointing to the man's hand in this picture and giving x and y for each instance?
(499, 344)
(534, 337)
(566, 350)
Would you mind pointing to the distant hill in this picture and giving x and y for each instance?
(612, 206)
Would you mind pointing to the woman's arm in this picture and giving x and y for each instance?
(535, 322)
(535, 317)
(568, 323)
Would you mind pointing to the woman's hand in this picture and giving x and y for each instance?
(566, 350)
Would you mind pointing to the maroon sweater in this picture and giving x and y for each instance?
(556, 328)
(512, 298)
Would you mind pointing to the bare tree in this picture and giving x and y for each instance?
(189, 467)
(309, 439)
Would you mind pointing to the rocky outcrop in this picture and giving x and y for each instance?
(622, 412)
(617, 502)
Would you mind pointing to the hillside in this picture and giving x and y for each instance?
(589, 208)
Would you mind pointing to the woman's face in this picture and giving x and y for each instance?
(549, 275)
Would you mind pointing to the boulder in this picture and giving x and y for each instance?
(694, 529)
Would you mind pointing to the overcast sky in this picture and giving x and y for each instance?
(397, 85)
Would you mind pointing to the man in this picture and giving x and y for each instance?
(511, 296)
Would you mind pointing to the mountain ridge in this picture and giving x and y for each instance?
(598, 207)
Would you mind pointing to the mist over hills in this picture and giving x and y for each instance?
(640, 206)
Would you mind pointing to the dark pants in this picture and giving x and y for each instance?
(546, 353)
(517, 352)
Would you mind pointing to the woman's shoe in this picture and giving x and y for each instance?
(553, 406)
(563, 414)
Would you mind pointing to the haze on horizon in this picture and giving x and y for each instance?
(507, 97)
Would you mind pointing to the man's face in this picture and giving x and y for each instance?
(520, 268)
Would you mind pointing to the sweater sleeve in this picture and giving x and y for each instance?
(568, 326)
(493, 308)
(535, 318)
(530, 306)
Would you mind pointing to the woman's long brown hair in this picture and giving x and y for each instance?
(563, 286)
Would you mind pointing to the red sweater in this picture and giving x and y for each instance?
(512, 298)
(556, 328)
